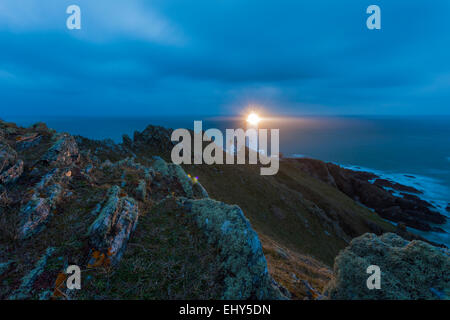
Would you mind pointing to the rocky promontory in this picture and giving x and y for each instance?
(391, 200)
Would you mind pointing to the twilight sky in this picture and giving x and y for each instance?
(215, 57)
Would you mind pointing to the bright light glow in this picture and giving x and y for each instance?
(253, 119)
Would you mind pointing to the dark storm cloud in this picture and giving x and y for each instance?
(213, 57)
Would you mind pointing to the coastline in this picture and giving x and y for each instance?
(425, 188)
(432, 191)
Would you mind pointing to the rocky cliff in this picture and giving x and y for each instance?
(391, 200)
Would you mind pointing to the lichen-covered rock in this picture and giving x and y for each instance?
(174, 172)
(110, 232)
(409, 270)
(8, 156)
(46, 195)
(26, 287)
(28, 141)
(34, 216)
(11, 168)
(37, 211)
(13, 173)
(178, 173)
(7, 128)
(240, 251)
(63, 152)
(160, 166)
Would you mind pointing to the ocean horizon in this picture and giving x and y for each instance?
(392, 144)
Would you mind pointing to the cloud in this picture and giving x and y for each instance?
(178, 56)
(101, 20)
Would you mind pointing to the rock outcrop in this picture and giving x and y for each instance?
(173, 173)
(8, 156)
(13, 173)
(11, 168)
(113, 227)
(28, 141)
(240, 251)
(45, 196)
(403, 205)
(63, 152)
(155, 138)
(409, 270)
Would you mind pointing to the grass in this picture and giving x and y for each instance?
(284, 207)
(166, 258)
(290, 269)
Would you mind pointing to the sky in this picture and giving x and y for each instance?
(216, 57)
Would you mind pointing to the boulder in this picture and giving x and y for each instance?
(409, 270)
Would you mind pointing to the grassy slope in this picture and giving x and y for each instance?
(280, 207)
(282, 210)
(166, 258)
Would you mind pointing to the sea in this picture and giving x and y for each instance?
(413, 150)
